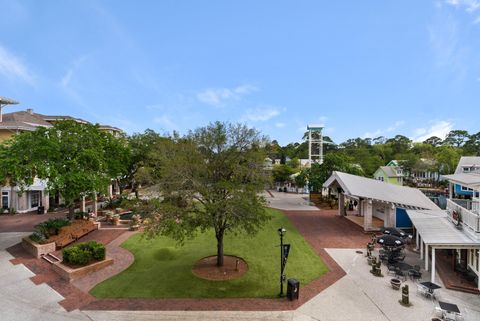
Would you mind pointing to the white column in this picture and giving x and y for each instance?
(450, 190)
(95, 204)
(110, 190)
(433, 265)
(367, 218)
(341, 204)
(426, 257)
(417, 239)
(421, 249)
(82, 205)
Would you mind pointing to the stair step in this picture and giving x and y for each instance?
(55, 257)
(50, 258)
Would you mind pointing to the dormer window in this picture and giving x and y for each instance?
(466, 169)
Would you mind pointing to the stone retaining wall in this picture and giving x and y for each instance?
(37, 249)
(72, 274)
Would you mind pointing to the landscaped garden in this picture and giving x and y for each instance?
(163, 269)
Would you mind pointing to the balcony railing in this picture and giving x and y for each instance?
(468, 218)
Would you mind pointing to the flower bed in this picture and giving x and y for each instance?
(82, 259)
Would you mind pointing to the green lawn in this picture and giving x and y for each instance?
(163, 270)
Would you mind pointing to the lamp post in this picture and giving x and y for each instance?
(281, 232)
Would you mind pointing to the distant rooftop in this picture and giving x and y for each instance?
(7, 101)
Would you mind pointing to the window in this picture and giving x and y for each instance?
(465, 189)
(466, 169)
(5, 200)
(34, 199)
(380, 178)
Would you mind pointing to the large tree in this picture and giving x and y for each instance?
(75, 159)
(211, 179)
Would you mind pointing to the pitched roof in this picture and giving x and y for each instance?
(391, 171)
(435, 228)
(467, 161)
(23, 120)
(362, 187)
(471, 180)
(7, 101)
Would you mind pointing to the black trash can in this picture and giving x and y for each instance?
(41, 210)
(293, 289)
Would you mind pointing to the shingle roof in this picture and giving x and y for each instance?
(368, 188)
(23, 120)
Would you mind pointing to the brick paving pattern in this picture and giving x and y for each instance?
(322, 229)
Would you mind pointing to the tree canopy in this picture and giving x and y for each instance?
(75, 159)
(211, 179)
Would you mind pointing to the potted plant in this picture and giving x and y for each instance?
(395, 283)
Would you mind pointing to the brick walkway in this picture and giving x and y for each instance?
(74, 297)
(25, 222)
(322, 229)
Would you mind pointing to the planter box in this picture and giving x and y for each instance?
(37, 249)
(71, 274)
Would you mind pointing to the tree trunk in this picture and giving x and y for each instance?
(220, 249)
(71, 211)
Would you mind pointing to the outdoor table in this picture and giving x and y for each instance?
(403, 266)
(448, 309)
(431, 287)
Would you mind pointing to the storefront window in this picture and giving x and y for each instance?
(34, 199)
(5, 200)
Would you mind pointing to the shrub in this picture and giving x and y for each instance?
(37, 237)
(83, 253)
(51, 226)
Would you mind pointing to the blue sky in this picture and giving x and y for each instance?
(361, 68)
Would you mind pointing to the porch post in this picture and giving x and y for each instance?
(110, 190)
(426, 257)
(417, 239)
(433, 265)
(450, 190)
(421, 249)
(341, 204)
(367, 219)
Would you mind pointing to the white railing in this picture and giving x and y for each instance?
(468, 218)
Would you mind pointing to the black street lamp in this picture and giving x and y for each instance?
(281, 232)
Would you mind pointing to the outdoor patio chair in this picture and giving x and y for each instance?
(392, 270)
(400, 274)
(424, 291)
(414, 274)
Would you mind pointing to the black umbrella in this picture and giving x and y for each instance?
(390, 240)
(394, 231)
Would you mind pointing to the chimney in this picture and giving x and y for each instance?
(30, 111)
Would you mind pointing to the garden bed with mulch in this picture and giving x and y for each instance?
(233, 268)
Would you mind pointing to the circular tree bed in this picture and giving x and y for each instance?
(233, 268)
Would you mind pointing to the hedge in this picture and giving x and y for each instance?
(84, 253)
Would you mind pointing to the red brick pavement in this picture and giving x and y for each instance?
(25, 222)
(322, 229)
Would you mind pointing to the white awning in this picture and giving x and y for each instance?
(367, 188)
(471, 180)
(436, 229)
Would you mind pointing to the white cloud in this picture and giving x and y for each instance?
(279, 125)
(470, 6)
(260, 114)
(380, 132)
(220, 96)
(438, 128)
(166, 122)
(12, 67)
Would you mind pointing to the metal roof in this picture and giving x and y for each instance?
(467, 161)
(391, 171)
(362, 187)
(436, 229)
(7, 101)
(471, 180)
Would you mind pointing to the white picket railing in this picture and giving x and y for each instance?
(468, 218)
